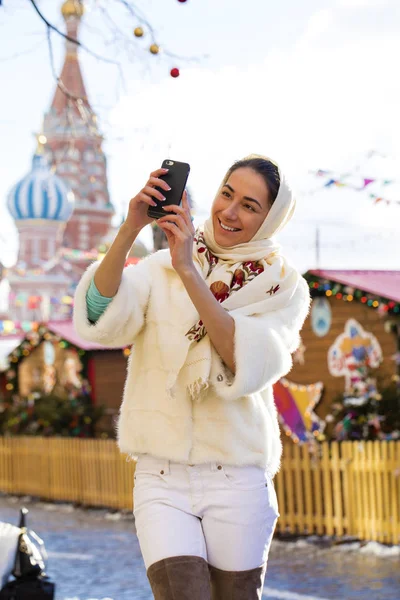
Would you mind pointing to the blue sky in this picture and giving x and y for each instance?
(314, 84)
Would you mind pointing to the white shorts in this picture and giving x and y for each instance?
(224, 514)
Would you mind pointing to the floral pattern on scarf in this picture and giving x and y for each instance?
(221, 290)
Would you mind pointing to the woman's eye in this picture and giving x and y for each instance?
(250, 207)
(225, 193)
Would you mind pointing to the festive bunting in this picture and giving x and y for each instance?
(337, 181)
(367, 182)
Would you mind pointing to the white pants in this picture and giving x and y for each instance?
(224, 514)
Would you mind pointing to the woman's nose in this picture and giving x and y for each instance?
(230, 212)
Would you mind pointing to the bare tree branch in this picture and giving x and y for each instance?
(119, 38)
(70, 39)
(79, 102)
(133, 11)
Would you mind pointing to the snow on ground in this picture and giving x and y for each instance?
(328, 543)
(94, 554)
(344, 544)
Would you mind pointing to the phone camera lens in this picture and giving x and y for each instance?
(170, 162)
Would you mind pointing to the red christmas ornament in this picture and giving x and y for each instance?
(181, 0)
(175, 71)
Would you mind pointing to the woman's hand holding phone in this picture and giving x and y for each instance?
(108, 275)
(178, 227)
(137, 216)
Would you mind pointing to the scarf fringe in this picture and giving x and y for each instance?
(196, 388)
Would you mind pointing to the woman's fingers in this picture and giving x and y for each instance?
(186, 208)
(159, 183)
(183, 212)
(150, 191)
(159, 172)
(172, 229)
(146, 199)
(165, 229)
(177, 220)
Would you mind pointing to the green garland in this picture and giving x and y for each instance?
(323, 287)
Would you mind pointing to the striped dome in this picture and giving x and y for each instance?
(40, 195)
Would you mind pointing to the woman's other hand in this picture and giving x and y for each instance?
(178, 227)
(137, 216)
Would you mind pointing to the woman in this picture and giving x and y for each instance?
(213, 321)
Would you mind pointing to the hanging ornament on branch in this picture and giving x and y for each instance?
(154, 48)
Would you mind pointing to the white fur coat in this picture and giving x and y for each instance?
(235, 421)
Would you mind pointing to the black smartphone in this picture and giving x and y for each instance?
(177, 176)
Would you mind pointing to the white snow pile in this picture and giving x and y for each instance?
(325, 543)
(113, 516)
(51, 507)
(380, 550)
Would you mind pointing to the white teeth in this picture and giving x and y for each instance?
(227, 228)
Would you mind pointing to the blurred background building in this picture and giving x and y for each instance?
(61, 208)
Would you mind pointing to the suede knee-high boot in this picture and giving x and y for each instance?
(237, 585)
(180, 578)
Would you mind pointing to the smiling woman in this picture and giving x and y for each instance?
(248, 191)
(214, 321)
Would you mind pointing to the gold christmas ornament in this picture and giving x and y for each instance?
(138, 32)
(72, 8)
(154, 48)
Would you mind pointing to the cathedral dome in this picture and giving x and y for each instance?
(40, 195)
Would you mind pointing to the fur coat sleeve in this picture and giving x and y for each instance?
(124, 316)
(263, 348)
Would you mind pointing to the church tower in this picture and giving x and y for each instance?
(40, 204)
(73, 146)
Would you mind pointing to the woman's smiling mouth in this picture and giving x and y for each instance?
(226, 228)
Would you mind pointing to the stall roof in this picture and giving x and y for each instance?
(66, 330)
(7, 345)
(381, 283)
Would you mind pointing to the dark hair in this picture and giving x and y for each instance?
(264, 167)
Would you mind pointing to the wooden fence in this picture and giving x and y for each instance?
(350, 488)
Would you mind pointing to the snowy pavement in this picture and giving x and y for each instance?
(95, 555)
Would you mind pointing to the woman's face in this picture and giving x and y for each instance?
(240, 208)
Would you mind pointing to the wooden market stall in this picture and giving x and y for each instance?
(55, 360)
(350, 348)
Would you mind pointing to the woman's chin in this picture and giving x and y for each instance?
(226, 241)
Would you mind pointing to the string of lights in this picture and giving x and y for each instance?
(348, 294)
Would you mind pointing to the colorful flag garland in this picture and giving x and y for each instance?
(333, 180)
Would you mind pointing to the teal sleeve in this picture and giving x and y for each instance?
(95, 302)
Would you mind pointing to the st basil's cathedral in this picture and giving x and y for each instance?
(61, 208)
